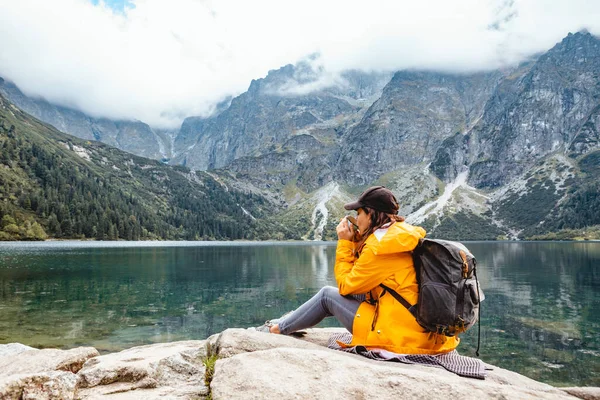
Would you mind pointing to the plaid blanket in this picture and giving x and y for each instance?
(452, 361)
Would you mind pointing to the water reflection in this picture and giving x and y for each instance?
(544, 310)
(320, 265)
(541, 316)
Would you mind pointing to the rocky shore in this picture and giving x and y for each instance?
(242, 364)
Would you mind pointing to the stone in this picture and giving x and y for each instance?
(174, 370)
(585, 393)
(236, 341)
(43, 385)
(28, 373)
(13, 348)
(46, 360)
(288, 368)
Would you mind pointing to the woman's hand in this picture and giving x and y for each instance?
(344, 231)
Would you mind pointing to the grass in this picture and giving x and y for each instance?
(465, 226)
(209, 363)
(587, 233)
(209, 372)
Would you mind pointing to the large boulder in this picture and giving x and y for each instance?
(13, 348)
(158, 371)
(40, 385)
(238, 341)
(585, 393)
(254, 365)
(28, 373)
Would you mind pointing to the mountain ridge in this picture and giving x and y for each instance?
(55, 185)
(511, 153)
(132, 136)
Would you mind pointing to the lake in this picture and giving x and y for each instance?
(541, 316)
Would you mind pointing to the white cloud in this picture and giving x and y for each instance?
(163, 60)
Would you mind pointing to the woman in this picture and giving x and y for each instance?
(380, 253)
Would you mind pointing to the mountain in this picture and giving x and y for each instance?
(273, 112)
(547, 107)
(56, 185)
(132, 136)
(511, 153)
(535, 149)
(406, 125)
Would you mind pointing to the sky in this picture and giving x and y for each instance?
(160, 61)
(116, 5)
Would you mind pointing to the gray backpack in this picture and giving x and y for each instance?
(449, 293)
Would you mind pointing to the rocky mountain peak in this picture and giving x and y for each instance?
(274, 78)
(292, 100)
(579, 51)
(416, 112)
(532, 113)
(575, 40)
(278, 80)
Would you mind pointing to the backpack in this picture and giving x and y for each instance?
(449, 293)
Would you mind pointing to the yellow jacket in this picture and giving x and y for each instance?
(386, 324)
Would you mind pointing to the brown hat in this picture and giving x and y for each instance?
(378, 198)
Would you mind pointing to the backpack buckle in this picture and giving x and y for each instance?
(465, 268)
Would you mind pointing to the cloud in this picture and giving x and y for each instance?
(160, 61)
(309, 75)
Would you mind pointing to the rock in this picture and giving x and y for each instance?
(44, 385)
(251, 365)
(28, 373)
(320, 336)
(287, 373)
(237, 341)
(13, 348)
(585, 393)
(46, 360)
(173, 369)
(285, 367)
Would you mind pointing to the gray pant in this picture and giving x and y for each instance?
(328, 302)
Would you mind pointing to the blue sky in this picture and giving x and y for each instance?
(117, 5)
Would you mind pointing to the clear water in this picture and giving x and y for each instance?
(541, 316)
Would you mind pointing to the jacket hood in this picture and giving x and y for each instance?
(399, 237)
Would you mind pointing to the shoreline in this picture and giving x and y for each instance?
(290, 241)
(240, 364)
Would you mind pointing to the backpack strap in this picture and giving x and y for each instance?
(478, 313)
(411, 308)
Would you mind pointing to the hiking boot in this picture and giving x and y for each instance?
(266, 327)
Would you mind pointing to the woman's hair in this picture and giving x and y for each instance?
(378, 219)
